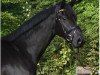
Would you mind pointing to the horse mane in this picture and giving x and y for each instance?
(31, 23)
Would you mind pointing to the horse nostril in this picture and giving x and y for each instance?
(79, 41)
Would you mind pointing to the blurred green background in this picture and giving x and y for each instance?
(59, 58)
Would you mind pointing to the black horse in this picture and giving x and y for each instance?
(22, 49)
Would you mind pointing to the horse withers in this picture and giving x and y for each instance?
(22, 49)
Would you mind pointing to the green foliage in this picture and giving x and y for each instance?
(59, 58)
(13, 15)
(56, 60)
(7, 18)
(88, 21)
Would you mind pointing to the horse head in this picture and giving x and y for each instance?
(66, 23)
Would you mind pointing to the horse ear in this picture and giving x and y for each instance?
(63, 4)
(60, 6)
(74, 2)
(57, 8)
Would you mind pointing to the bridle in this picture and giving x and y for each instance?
(67, 31)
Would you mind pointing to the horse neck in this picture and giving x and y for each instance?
(35, 41)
